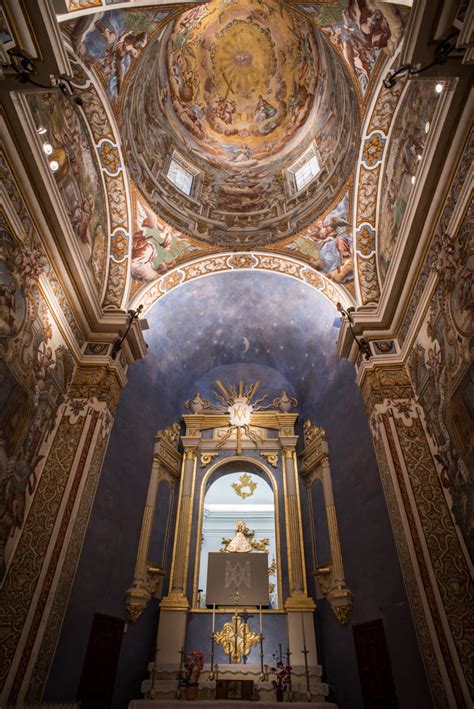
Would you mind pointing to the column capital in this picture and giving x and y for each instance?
(101, 383)
(288, 443)
(190, 454)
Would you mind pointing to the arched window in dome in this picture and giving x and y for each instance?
(234, 497)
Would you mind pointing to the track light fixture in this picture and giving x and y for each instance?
(25, 69)
(362, 343)
(442, 51)
(132, 316)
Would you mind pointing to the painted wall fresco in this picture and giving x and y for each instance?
(361, 30)
(156, 247)
(35, 370)
(403, 157)
(442, 372)
(327, 245)
(78, 176)
(239, 144)
(111, 41)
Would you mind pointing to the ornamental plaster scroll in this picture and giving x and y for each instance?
(248, 261)
(432, 549)
(32, 245)
(414, 592)
(29, 588)
(44, 658)
(106, 142)
(373, 148)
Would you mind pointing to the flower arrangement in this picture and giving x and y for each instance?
(282, 681)
(192, 669)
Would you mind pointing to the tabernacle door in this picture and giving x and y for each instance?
(241, 576)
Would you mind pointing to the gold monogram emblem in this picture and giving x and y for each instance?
(245, 487)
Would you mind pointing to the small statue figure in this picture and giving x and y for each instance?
(240, 542)
(171, 434)
(310, 431)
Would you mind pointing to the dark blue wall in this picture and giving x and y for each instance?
(196, 335)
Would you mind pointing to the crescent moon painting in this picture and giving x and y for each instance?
(246, 344)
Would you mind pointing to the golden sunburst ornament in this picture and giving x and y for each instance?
(245, 487)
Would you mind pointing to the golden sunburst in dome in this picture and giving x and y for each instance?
(224, 107)
(246, 81)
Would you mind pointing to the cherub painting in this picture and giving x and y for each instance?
(328, 244)
(112, 41)
(156, 247)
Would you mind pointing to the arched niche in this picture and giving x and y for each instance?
(220, 507)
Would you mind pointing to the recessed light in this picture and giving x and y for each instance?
(427, 126)
(413, 178)
(54, 165)
(438, 88)
(48, 148)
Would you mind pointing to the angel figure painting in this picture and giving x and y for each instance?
(327, 245)
(114, 40)
(156, 247)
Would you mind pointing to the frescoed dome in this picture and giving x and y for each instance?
(226, 108)
(242, 76)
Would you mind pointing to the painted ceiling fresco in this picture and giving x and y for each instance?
(78, 176)
(237, 91)
(242, 78)
(404, 156)
(156, 247)
(361, 30)
(247, 320)
(111, 41)
(244, 195)
(327, 244)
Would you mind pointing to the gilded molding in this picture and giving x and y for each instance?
(206, 458)
(271, 458)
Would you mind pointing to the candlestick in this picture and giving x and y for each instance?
(213, 617)
(302, 628)
(288, 655)
(260, 609)
(308, 690)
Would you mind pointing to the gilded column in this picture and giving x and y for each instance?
(339, 595)
(174, 607)
(166, 460)
(294, 529)
(299, 607)
(315, 460)
(182, 541)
